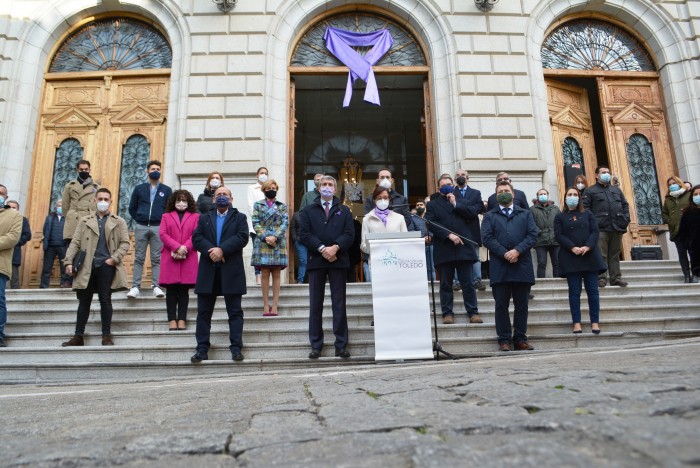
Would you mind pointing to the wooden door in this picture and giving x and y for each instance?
(633, 114)
(101, 111)
(292, 125)
(570, 117)
(427, 121)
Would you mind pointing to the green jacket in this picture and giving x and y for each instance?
(673, 210)
(544, 219)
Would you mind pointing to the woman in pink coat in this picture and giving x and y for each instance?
(178, 259)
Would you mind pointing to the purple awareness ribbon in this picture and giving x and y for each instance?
(339, 42)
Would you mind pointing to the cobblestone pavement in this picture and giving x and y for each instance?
(633, 407)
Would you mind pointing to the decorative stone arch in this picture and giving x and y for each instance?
(663, 40)
(37, 44)
(422, 19)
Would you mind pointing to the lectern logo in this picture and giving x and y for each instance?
(391, 259)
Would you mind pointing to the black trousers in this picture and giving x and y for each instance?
(502, 293)
(205, 310)
(464, 276)
(177, 299)
(317, 286)
(100, 282)
(50, 254)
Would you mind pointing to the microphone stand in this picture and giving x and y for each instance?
(437, 347)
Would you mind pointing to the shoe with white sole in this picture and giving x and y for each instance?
(157, 292)
(133, 293)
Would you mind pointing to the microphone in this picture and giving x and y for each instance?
(440, 226)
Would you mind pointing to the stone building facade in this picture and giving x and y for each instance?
(480, 92)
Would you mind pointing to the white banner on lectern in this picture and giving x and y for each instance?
(400, 299)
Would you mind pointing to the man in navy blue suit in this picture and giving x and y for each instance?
(471, 196)
(453, 216)
(220, 237)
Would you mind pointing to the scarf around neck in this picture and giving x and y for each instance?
(677, 193)
(382, 214)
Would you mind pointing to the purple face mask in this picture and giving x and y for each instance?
(327, 192)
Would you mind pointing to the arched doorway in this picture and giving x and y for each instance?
(105, 99)
(605, 107)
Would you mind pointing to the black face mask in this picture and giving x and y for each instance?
(270, 194)
(461, 180)
(84, 175)
(420, 210)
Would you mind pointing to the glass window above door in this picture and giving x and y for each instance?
(594, 45)
(113, 44)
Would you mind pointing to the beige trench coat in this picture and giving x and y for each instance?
(78, 201)
(10, 230)
(85, 238)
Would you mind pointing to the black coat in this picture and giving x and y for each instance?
(234, 236)
(315, 230)
(576, 229)
(49, 225)
(23, 239)
(689, 235)
(205, 202)
(458, 219)
(476, 205)
(519, 199)
(608, 204)
(501, 234)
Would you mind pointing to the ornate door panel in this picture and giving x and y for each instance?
(101, 114)
(639, 151)
(572, 133)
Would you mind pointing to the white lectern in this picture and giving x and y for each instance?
(400, 296)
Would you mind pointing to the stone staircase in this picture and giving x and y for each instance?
(655, 306)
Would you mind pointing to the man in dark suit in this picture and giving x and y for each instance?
(509, 232)
(326, 228)
(464, 192)
(454, 215)
(520, 199)
(220, 237)
(54, 246)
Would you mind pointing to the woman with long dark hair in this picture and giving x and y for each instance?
(576, 230)
(178, 258)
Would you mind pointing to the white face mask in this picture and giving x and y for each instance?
(215, 183)
(262, 178)
(580, 186)
(386, 183)
(181, 206)
(102, 206)
(382, 204)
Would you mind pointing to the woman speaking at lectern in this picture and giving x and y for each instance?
(380, 219)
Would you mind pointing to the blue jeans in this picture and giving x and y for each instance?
(3, 305)
(366, 271)
(303, 254)
(429, 262)
(590, 281)
(476, 269)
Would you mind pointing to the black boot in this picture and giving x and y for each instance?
(688, 278)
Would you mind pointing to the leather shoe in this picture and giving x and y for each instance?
(448, 319)
(619, 282)
(342, 353)
(523, 346)
(315, 354)
(76, 340)
(199, 357)
(237, 356)
(479, 285)
(2, 343)
(476, 318)
(107, 340)
(503, 347)
(602, 283)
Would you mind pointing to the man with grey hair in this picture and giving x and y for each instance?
(10, 231)
(326, 228)
(311, 195)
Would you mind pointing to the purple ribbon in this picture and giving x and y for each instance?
(339, 42)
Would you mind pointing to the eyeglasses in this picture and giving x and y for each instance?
(503, 180)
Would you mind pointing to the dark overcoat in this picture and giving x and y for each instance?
(576, 229)
(315, 230)
(689, 235)
(458, 219)
(609, 206)
(23, 239)
(234, 236)
(501, 233)
(476, 205)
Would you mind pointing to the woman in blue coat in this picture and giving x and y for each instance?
(576, 230)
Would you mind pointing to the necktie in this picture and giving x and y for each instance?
(506, 211)
(464, 191)
(328, 210)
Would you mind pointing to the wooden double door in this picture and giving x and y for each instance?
(100, 114)
(626, 122)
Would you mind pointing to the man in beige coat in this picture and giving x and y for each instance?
(78, 199)
(104, 238)
(10, 230)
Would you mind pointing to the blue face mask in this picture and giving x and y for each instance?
(59, 210)
(605, 178)
(222, 201)
(674, 187)
(543, 198)
(572, 202)
(2, 200)
(155, 175)
(446, 189)
(696, 199)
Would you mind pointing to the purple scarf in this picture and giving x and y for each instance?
(339, 41)
(382, 214)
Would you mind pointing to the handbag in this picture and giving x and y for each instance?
(78, 261)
